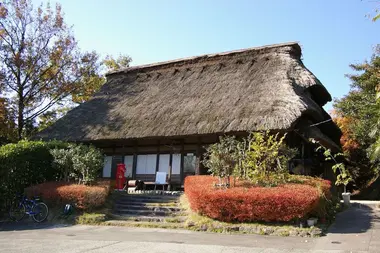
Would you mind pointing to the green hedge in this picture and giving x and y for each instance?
(26, 163)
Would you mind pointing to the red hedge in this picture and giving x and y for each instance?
(282, 203)
(83, 196)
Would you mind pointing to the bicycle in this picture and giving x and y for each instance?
(32, 207)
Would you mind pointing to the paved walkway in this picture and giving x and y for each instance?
(356, 230)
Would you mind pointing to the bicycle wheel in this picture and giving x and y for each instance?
(40, 211)
(16, 211)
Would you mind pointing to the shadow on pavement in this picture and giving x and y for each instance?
(356, 219)
(28, 225)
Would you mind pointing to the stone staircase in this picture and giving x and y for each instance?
(149, 210)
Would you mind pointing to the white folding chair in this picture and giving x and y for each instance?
(160, 180)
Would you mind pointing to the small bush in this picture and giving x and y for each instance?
(83, 196)
(247, 204)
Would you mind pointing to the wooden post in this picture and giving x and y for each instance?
(123, 154)
(134, 166)
(170, 169)
(182, 162)
(113, 164)
(303, 157)
(66, 174)
(158, 157)
(198, 160)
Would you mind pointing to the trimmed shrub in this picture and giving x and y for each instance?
(25, 163)
(28, 163)
(84, 197)
(247, 204)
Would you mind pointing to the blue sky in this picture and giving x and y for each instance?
(332, 33)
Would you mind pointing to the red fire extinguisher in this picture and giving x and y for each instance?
(120, 176)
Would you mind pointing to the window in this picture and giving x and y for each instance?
(176, 164)
(189, 163)
(163, 165)
(128, 161)
(107, 166)
(146, 164)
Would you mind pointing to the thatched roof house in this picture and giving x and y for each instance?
(193, 100)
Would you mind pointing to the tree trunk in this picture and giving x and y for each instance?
(66, 174)
(20, 117)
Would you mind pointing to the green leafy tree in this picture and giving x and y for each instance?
(362, 107)
(87, 162)
(40, 62)
(267, 158)
(80, 162)
(62, 161)
(221, 158)
(374, 149)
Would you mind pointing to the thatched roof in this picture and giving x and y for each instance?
(251, 89)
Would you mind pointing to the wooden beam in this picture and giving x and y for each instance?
(194, 140)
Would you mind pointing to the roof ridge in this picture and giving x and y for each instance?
(185, 59)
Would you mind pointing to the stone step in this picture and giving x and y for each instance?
(146, 200)
(153, 192)
(146, 196)
(134, 218)
(142, 204)
(148, 207)
(144, 224)
(146, 212)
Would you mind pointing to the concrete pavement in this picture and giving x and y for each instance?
(355, 230)
(124, 239)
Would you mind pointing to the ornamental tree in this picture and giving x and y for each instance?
(40, 61)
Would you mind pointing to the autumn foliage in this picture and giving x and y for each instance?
(83, 196)
(246, 204)
(349, 144)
